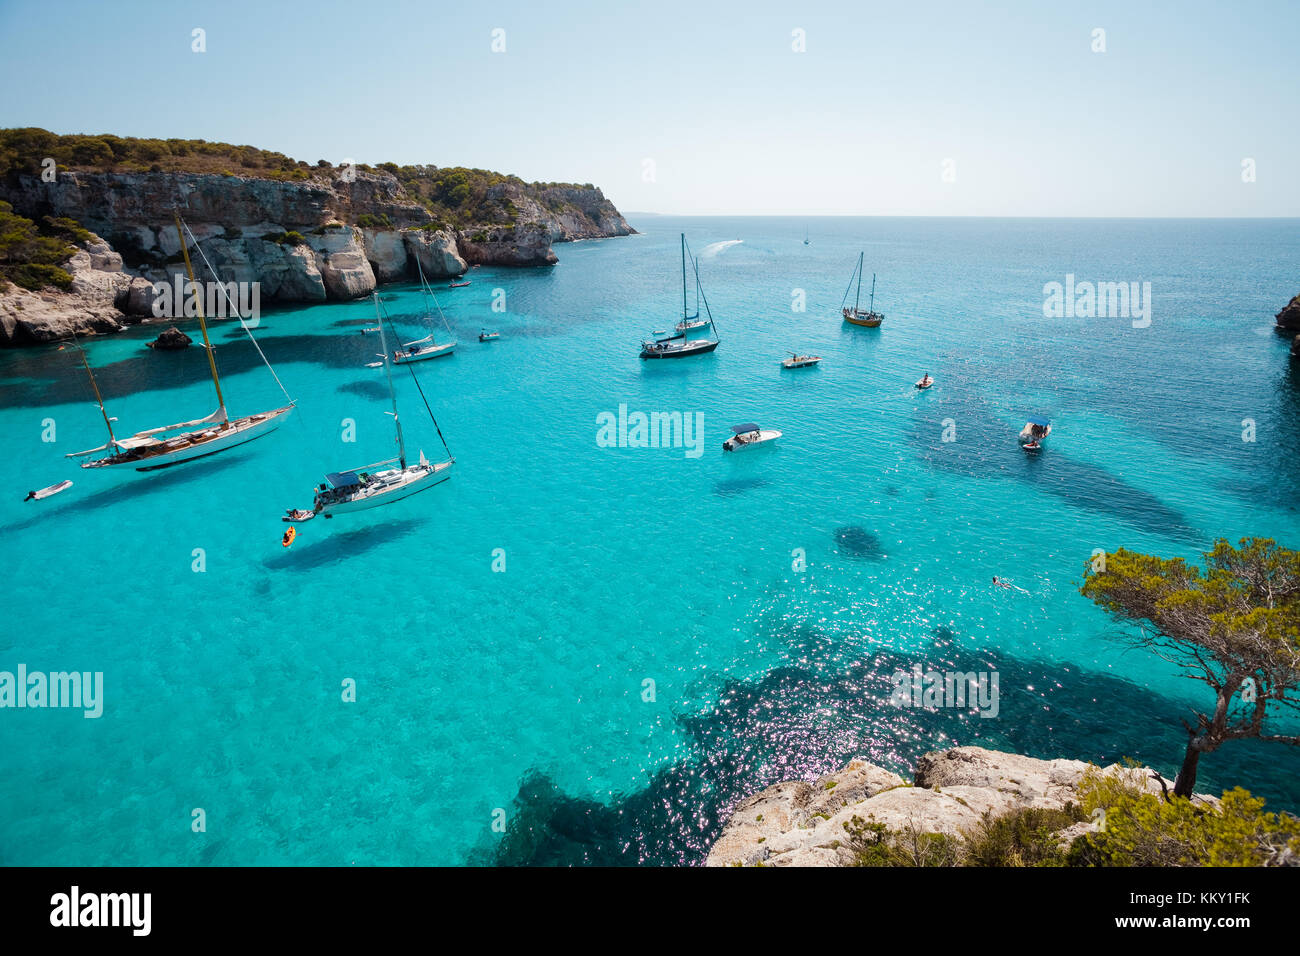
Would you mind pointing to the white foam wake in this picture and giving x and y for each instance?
(712, 249)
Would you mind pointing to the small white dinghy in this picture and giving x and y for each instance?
(800, 361)
(749, 434)
(925, 382)
(47, 492)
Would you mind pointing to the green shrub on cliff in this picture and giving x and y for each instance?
(31, 256)
(34, 277)
(370, 221)
(1143, 829)
(24, 150)
(1024, 837)
(874, 845)
(290, 238)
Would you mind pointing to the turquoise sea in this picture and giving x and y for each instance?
(521, 695)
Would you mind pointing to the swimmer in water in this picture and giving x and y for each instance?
(1001, 584)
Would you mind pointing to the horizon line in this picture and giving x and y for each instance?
(869, 215)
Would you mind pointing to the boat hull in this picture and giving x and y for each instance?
(699, 347)
(866, 322)
(433, 352)
(433, 475)
(734, 443)
(200, 444)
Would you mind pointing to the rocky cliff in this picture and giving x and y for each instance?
(331, 233)
(802, 824)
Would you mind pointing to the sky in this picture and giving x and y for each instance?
(707, 108)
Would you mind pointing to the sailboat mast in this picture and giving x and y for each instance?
(683, 277)
(203, 325)
(872, 307)
(99, 398)
(858, 298)
(388, 371)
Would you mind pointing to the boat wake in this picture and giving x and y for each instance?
(712, 250)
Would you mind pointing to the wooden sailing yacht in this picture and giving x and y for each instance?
(868, 317)
(170, 445)
(670, 347)
(427, 347)
(357, 489)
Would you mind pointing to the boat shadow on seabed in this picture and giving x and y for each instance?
(117, 492)
(331, 548)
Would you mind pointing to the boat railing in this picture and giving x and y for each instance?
(377, 464)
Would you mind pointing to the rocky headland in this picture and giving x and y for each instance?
(1288, 324)
(305, 234)
(798, 823)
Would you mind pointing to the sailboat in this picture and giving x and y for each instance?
(805, 235)
(868, 317)
(670, 347)
(418, 351)
(357, 489)
(171, 445)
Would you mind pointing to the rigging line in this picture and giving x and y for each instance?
(242, 324)
(695, 264)
(411, 368)
(845, 300)
(440, 313)
(428, 290)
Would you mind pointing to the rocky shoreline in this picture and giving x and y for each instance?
(797, 823)
(302, 241)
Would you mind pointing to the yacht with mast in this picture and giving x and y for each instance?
(370, 486)
(169, 445)
(671, 347)
(427, 347)
(868, 317)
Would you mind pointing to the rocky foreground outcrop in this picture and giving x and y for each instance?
(300, 240)
(798, 823)
(1288, 320)
(102, 298)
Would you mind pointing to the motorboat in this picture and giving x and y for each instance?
(749, 434)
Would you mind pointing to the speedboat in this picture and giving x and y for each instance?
(749, 434)
(800, 361)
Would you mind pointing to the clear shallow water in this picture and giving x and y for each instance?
(522, 690)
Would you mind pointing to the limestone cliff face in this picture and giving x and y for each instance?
(245, 227)
(528, 244)
(102, 299)
(802, 824)
(438, 253)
